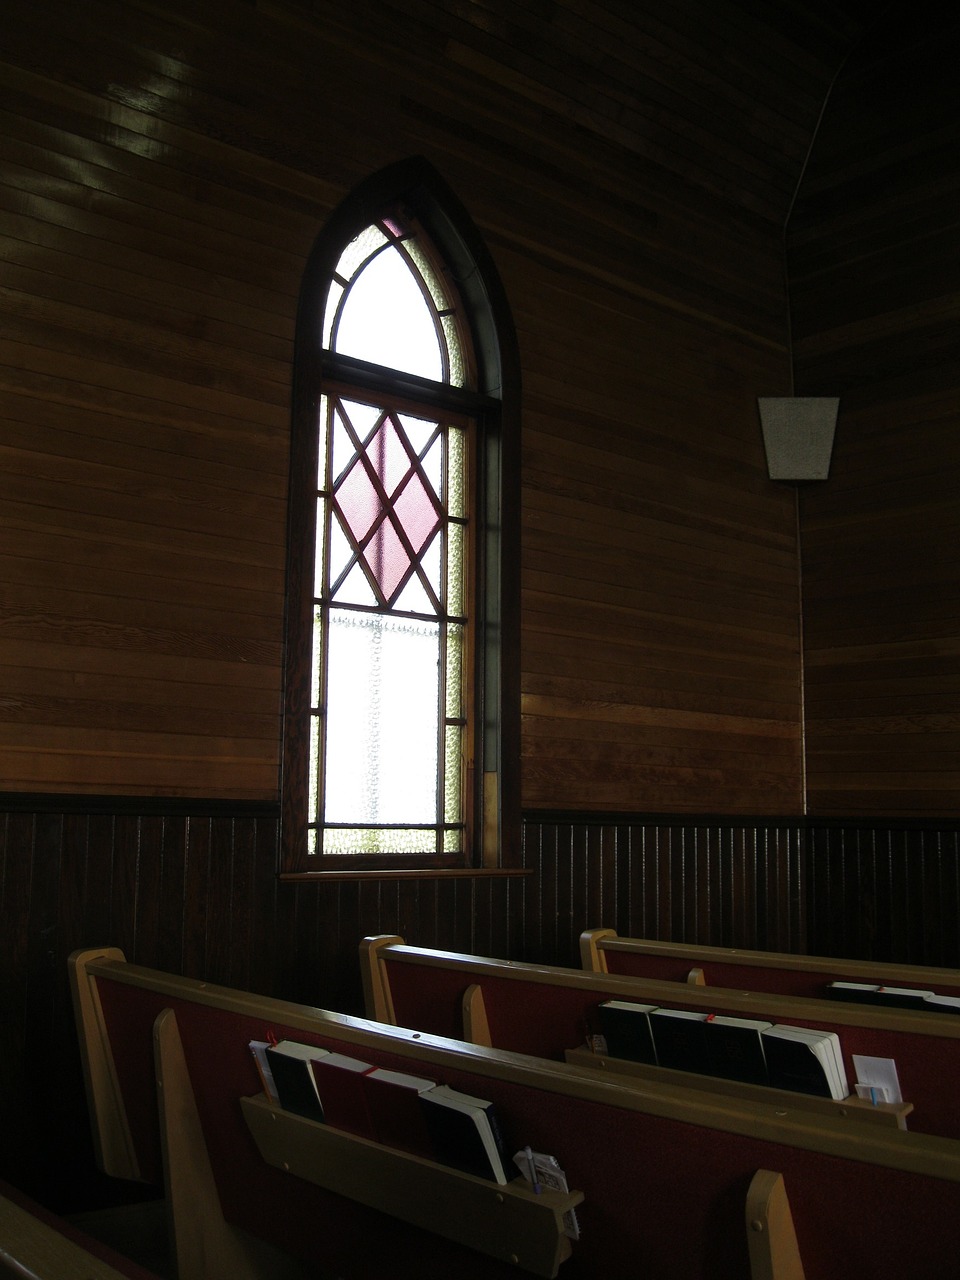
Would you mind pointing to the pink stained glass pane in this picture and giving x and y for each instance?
(387, 559)
(359, 501)
(416, 513)
(389, 458)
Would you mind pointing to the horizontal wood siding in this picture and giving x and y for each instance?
(875, 279)
(163, 173)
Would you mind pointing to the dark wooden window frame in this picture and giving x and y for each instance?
(416, 186)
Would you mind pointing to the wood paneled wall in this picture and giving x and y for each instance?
(875, 278)
(165, 169)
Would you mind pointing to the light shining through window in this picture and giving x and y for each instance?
(389, 737)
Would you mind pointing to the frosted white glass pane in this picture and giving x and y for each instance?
(363, 418)
(430, 563)
(433, 465)
(373, 840)
(341, 553)
(419, 431)
(323, 427)
(313, 800)
(456, 473)
(454, 671)
(454, 351)
(414, 598)
(455, 545)
(430, 277)
(386, 320)
(315, 660)
(451, 806)
(360, 248)
(334, 294)
(321, 533)
(382, 720)
(356, 589)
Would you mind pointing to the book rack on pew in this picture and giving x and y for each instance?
(510, 1223)
(889, 1114)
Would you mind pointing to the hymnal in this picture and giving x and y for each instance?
(736, 1048)
(626, 1029)
(805, 1060)
(339, 1081)
(393, 1098)
(296, 1088)
(680, 1039)
(465, 1133)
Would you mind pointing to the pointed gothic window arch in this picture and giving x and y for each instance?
(401, 724)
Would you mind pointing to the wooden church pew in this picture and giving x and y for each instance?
(604, 951)
(546, 1010)
(673, 1184)
(36, 1244)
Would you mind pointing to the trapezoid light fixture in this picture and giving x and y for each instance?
(798, 435)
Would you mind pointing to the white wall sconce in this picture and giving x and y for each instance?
(798, 435)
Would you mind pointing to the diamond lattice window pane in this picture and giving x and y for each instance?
(356, 589)
(387, 559)
(414, 598)
(359, 501)
(416, 512)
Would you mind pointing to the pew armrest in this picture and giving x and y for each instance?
(377, 1001)
(592, 958)
(112, 1141)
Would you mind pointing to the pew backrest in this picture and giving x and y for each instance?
(604, 951)
(665, 1176)
(546, 1010)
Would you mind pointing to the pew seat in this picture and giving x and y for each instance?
(36, 1244)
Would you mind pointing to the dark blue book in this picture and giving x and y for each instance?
(806, 1060)
(293, 1076)
(625, 1027)
(465, 1133)
(736, 1048)
(680, 1037)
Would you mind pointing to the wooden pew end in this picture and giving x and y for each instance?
(771, 1239)
(592, 958)
(377, 1003)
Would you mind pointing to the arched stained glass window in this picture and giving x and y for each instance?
(391, 761)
